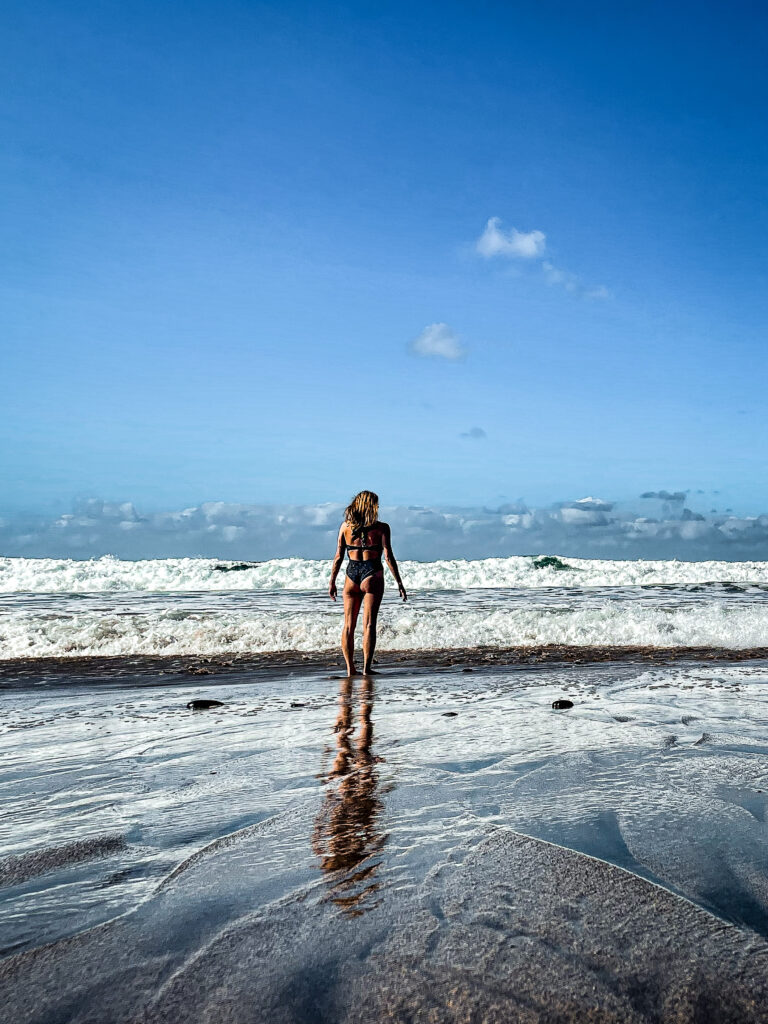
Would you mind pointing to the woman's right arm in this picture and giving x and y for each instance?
(389, 555)
(341, 547)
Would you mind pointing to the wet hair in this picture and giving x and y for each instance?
(362, 511)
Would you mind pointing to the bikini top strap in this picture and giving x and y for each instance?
(362, 532)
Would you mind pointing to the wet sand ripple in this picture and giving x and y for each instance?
(517, 929)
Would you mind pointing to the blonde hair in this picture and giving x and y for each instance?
(362, 511)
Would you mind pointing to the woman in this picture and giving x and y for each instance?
(365, 539)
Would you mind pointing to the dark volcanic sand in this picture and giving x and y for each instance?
(515, 930)
(114, 669)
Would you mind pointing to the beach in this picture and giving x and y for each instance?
(485, 741)
(435, 842)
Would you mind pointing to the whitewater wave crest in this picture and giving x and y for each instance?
(188, 575)
(176, 630)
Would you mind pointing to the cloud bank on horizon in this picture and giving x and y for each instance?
(659, 526)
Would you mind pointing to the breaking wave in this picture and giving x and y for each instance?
(188, 575)
(501, 619)
(104, 607)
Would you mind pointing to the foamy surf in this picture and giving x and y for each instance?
(720, 615)
(186, 575)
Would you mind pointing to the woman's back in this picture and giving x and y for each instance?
(364, 542)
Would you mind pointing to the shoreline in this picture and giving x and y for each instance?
(117, 667)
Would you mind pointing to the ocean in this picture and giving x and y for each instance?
(63, 608)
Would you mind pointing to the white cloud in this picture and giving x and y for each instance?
(595, 504)
(515, 244)
(532, 245)
(589, 527)
(438, 341)
(572, 283)
(554, 275)
(574, 516)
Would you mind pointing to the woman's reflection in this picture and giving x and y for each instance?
(347, 838)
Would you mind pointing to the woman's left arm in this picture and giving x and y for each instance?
(389, 555)
(341, 547)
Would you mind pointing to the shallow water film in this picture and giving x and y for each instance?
(117, 798)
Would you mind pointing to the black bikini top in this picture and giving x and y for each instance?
(362, 532)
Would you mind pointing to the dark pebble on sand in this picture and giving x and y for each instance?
(296, 704)
(450, 714)
(562, 705)
(204, 705)
(467, 670)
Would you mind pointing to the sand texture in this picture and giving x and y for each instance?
(153, 670)
(516, 930)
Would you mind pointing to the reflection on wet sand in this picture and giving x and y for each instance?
(346, 837)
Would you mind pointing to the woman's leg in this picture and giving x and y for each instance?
(352, 599)
(373, 591)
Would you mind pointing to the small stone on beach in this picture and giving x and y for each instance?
(450, 714)
(562, 705)
(204, 705)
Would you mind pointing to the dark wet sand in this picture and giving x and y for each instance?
(517, 930)
(116, 669)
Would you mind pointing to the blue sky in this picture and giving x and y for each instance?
(227, 226)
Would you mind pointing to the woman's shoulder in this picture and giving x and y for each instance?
(378, 525)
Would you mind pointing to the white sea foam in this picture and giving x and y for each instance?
(171, 627)
(186, 575)
(68, 608)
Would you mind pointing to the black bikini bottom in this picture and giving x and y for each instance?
(359, 571)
